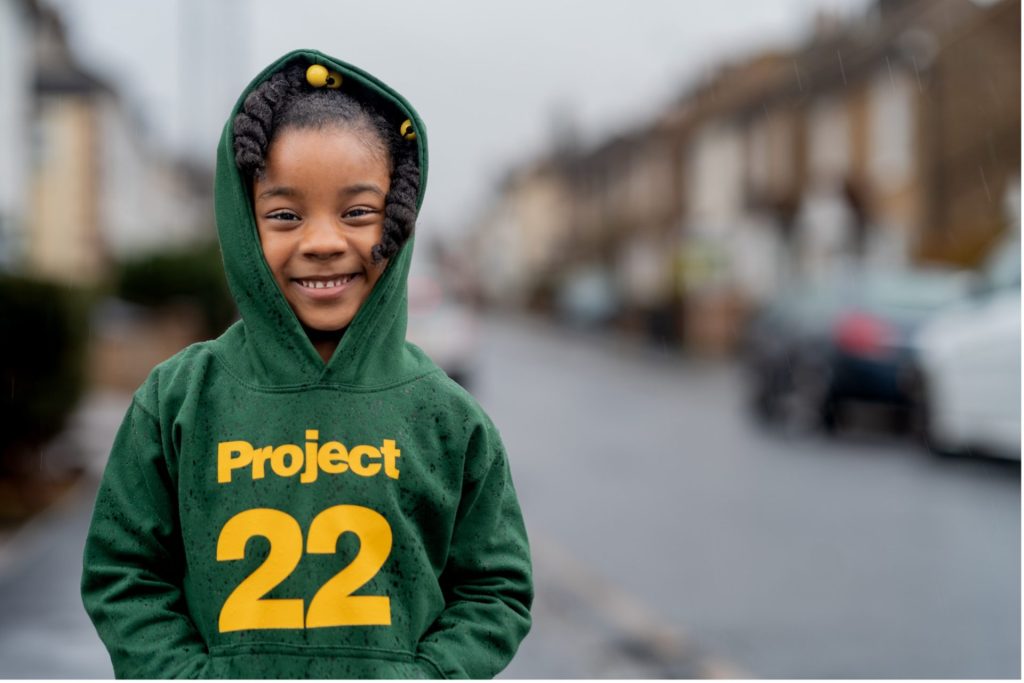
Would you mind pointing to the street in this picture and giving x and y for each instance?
(781, 556)
(671, 536)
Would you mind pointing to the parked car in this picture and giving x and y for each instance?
(822, 344)
(968, 383)
(445, 328)
(587, 298)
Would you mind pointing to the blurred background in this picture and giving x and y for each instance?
(739, 283)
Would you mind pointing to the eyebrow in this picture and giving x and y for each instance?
(361, 187)
(282, 191)
(279, 192)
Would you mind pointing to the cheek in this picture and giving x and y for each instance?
(375, 271)
(365, 247)
(275, 252)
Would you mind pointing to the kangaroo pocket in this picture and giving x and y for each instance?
(319, 663)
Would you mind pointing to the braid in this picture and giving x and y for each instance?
(255, 123)
(400, 205)
(286, 100)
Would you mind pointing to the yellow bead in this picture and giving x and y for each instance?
(317, 75)
(333, 79)
(406, 130)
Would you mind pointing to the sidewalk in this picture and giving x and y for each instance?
(44, 631)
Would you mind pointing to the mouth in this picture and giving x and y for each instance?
(325, 286)
(325, 282)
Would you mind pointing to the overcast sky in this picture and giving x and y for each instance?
(486, 77)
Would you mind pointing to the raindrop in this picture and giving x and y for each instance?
(984, 182)
(842, 69)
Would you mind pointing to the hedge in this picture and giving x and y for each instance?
(192, 275)
(43, 340)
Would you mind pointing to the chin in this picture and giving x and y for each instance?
(325, 326)
(328, 328)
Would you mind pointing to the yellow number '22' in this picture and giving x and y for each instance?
(333, 604)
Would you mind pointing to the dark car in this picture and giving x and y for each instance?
(848, 338)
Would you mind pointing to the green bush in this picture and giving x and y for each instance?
(192, 275)
(43, 338)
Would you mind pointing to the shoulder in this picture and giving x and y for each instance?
(456, 411)
(175, 376)
(446, 393)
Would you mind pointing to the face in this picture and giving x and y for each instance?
(319, 212)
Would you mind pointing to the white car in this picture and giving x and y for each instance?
(441, 325)
(969, 359)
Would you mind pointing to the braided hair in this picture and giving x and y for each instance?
(286, 100)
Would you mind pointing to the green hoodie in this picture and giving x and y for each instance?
(266, 515)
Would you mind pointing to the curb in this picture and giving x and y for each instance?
(638, 632)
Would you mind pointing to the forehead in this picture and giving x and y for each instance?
(330, 151)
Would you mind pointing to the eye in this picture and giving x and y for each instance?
(359, 212)
(283, 216)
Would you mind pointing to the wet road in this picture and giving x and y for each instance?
(779, 556)
(671, 537)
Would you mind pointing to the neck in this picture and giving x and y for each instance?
(325, 341)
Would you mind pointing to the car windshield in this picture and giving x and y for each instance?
(806, 303)
(1002, 271)
(908, 294)
(914, 291)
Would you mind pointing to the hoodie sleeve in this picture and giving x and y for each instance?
(487, 580)
(134, 561)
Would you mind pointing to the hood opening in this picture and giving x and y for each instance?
(276, 350)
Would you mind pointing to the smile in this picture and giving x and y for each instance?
(327, 284)
(326, 287)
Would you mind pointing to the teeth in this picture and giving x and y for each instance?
(321, 284)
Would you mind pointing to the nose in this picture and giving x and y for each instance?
(322, 240)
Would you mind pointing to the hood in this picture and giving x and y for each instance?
(269, 347)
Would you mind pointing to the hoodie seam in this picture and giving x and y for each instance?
(434, 665)
(146, 411)
(295, 388)
(268, 647)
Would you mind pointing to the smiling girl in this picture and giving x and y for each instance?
(379, 534)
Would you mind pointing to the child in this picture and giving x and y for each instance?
(309, 495)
